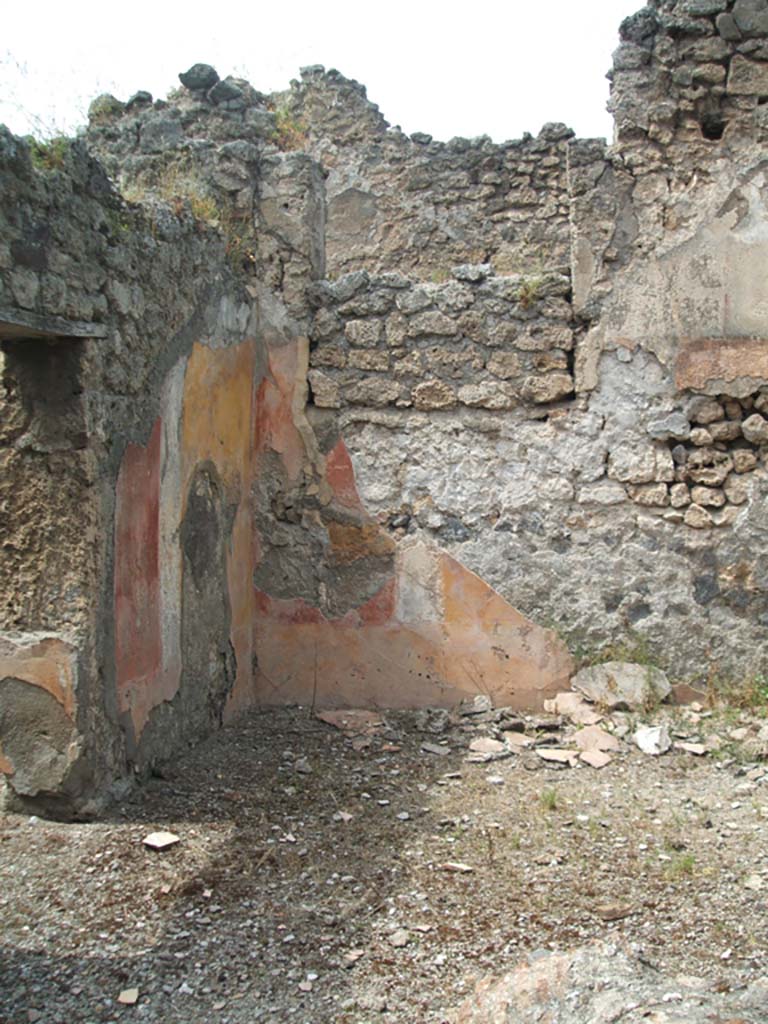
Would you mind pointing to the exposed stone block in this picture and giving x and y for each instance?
(736, 489)
(504, 365)
(364, 333)
(410, 365)
(751, 16)
(325, 389)
(650, 494)
(725, 430)
(679, 495)
(710, 497)
(367, 359)
(499, 334)
(697, 517)
(549, 387)
(326, 325)
(747, 77)
(727, 27)
(433, 394)
(376, 391)
(674, 426)
(711, 476)
(541, 337)
(636, 464)
(706, 410)
(744, 461)
(488, 395)
(602, 492)
(701, 437)
(328, 355)
(555, 359)
(432, 323)
(755, 429)
(396, 329)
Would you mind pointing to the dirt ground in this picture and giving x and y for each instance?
(323, 876)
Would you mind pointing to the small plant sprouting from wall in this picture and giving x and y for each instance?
(49, 155)
(290, 132)
(240, 250)
(530, 291)
(184, 193)
(180, 189)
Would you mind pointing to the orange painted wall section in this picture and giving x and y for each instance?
(217, 412)
(432, 635)
(217, 426)
(365, 660)
(49, 663)
(340, 475)
(275, 425)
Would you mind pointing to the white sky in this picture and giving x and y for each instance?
(448, 69)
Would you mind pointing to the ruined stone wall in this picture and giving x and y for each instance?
(419, 206)
(631, 510)
(688, 91)
(183, 543)
(298, 408)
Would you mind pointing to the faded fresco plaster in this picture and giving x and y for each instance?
(432, 634)
(467, 641)
(206, 418)
(705, 289)
(138, 646)
(217, 427)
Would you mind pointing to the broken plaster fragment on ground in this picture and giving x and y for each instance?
(161, 840)
(558, 756)
(595, 758)
(653, 740)
(573, 706)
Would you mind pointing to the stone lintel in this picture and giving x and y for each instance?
(16, 324)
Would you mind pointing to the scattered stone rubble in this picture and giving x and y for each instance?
(387, 881)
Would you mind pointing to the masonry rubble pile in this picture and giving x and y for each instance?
(299, 408)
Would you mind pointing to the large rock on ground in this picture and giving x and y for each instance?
(601, 984)
(622, 684)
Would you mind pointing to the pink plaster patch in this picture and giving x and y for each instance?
(275, 429)
(381, 607)
(341, 477)
(294, 611)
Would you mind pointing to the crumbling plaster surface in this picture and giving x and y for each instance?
(709, 285)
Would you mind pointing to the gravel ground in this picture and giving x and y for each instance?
(324, 876)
